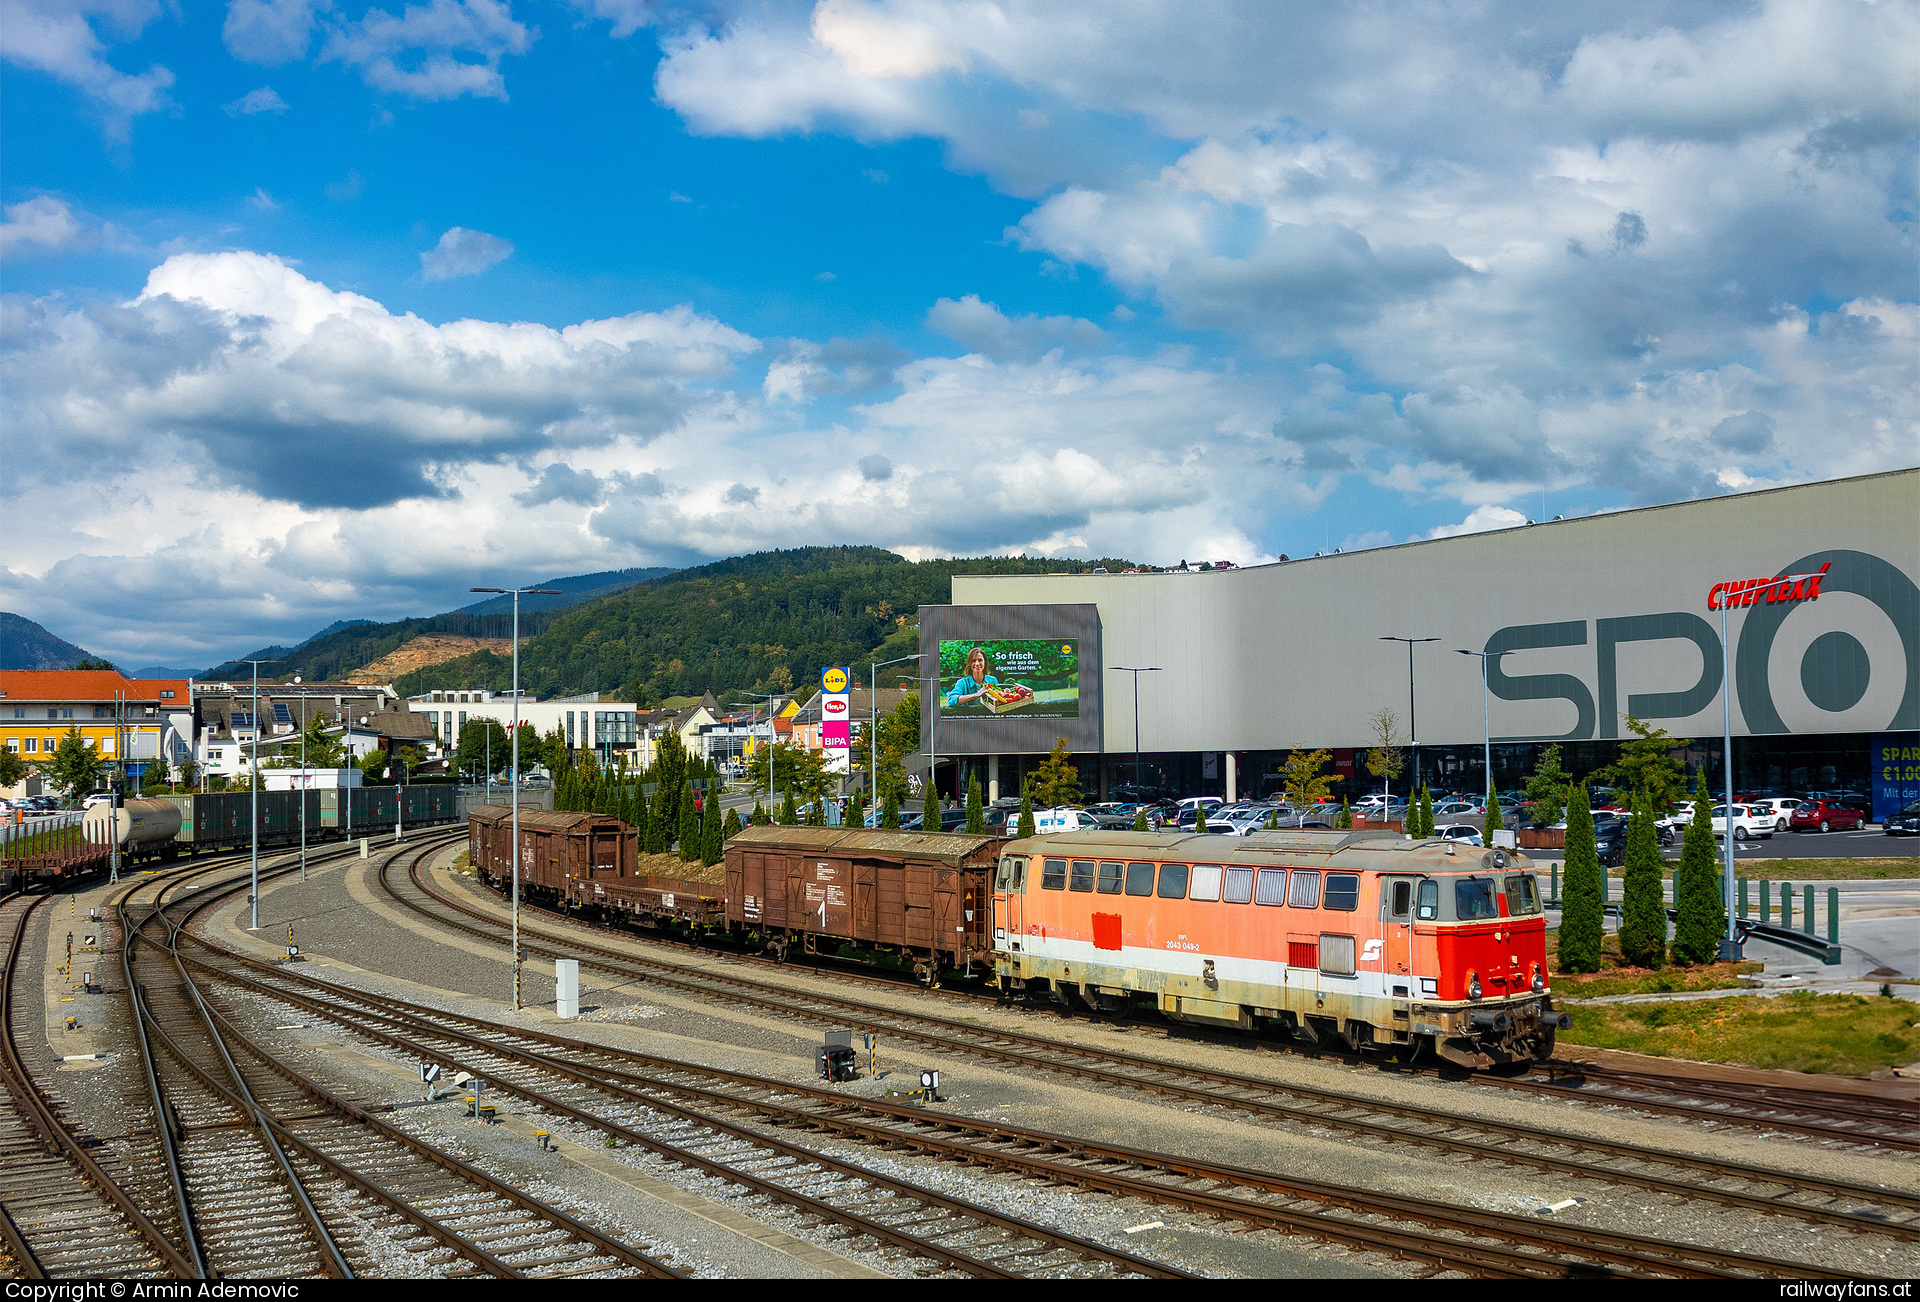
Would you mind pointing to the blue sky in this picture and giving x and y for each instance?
(320, 310)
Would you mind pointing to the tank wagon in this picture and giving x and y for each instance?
(920, 896)
(1365, 939)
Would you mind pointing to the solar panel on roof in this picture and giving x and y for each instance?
(281, 714)
(240, 721)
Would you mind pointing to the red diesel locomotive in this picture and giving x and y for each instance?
(1361, 938)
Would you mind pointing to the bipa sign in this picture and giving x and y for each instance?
(1755, 592)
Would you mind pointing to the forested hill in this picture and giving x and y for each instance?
(755, 622)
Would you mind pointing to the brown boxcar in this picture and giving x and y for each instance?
(923, 895)
(557, 849)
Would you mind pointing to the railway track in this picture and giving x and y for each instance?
(1818, 1115)
(279, 1176)
(68, 1207)
(602, 1087)
(1861, 1208)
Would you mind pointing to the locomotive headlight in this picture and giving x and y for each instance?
(1539, 979)
(1473, 985)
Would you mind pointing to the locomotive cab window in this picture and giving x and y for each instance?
(1401, 903)
(1139, 879)
(1205, 884)
(1429, 900)
(1053, 874)
(1111, 877)
(1343, 891)
(1003, 880)
(1473, 899)
(1238, 887)
(1523, 894)
(1082, 875)
(1173, 881)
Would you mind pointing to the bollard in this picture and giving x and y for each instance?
(363, 848)
(566, 987)
(1743, 897)
(1806, 922)
(1786, 905)
(1766, 901)
(1553, 882)
(1833, 915)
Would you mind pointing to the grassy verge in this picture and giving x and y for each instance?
(1847, 1035)
(1617, 977)
(1780, 870)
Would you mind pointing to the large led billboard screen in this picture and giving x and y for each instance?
(1032, 678)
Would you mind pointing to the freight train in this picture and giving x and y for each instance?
(166, 827)
(1361, 939)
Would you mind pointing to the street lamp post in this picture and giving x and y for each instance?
(1145, 669)
(1487, 659)
(306, 778)
(547, 592)
(769, 698)
(873, 723)
(1413, 726)
(253, 786)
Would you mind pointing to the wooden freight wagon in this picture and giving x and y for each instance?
(925, 896)
(557, 848)
(668, 902)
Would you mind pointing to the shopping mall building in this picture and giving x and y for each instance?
(1579, 623)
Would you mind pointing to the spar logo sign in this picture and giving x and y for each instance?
(1863, 657)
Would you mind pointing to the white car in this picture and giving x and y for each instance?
(1748, 821)
(1063, 820)
(1459, 809)
(1782, 810)
(1462, 833)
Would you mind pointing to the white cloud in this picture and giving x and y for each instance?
(270, 32)
(441, 50)
(462, 252)
(42, 225)
(262, 200)
(264, 100)
(57, 37)
(984, 328)
(1481, 520)
(626, 16)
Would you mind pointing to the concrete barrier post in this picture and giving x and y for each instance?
(1833, 915)
(1743, 897)
(1766, 901)
(1553, 879)
(1806, 920)
(1786, 905)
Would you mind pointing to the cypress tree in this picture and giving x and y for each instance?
(1140, 819)
(712, 840)
(640, 819)
(1026, 814)
(890, 812)
(1199, 819)
(1426, 811)
(689, 835)
(1495, 822)
(1582, 922)
(976, 811)
(759, 815)
(789, 812)
(1643, 913)
(930, 811)
(1696, 889)
(732, 828)
(1345, 818)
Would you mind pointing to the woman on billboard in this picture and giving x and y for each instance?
(973, 684)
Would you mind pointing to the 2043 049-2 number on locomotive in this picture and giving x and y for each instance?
(1363, 939)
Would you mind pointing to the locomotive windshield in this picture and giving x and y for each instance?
(1473, 899)
(1523, 894)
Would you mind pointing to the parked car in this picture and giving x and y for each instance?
(1460, 833)
(1825, 815)
(1782, 808)
(1610, 840)
(97, 798)
(1458, 809)
(1748, 821)
(1904, 823)
(1063, 819)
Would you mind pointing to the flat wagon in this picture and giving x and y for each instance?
(922, 896)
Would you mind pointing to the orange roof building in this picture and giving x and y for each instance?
(135, 721)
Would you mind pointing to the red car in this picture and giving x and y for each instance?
(1824, 816)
